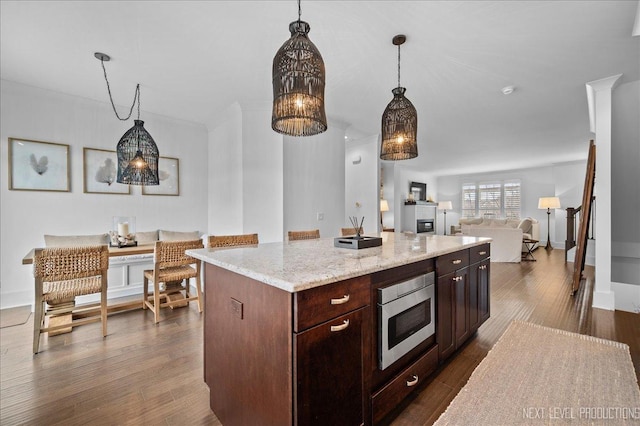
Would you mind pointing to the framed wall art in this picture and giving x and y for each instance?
(38, 166)
(169, 174)
(100, 172)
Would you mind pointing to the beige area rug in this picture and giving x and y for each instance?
(14, 316)
(541, 375)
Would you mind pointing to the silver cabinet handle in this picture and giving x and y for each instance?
(341, 300)
(456, 279)
(483, 266)
(413, 382)
(482, 253)
(457, 261)
(340, 327)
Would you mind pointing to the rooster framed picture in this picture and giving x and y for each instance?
(100, 172)
(38, 166)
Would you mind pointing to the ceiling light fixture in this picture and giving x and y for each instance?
(137, 151)
(298, 85)
(508, 90)
(399, 122)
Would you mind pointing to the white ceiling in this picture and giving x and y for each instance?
(193, 59)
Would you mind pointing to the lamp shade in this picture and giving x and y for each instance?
(138, 157)
(445, 205)
(549, 203)
(298, 85)
(384, 205)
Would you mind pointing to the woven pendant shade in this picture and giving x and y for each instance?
(298, 85)
(138, 157)
(399, 128)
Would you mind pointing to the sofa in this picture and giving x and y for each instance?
(507, 235)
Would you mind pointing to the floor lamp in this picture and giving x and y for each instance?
(548, 203)
(445, 205)
(384, 207)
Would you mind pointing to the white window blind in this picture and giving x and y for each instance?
(491, 199)
(468, 200)
(512, 200)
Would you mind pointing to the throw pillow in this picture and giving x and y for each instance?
(149, 237)
(177, 236)
(513, 223)
(525, 225)
(75, 240)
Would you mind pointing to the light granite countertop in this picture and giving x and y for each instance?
(299, 265)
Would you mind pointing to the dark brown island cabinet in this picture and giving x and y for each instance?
(274, 357)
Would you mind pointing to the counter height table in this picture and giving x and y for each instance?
(290, 333)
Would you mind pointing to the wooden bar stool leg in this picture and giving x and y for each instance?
(38, 318)
(145, 290)
(156, 301)
(103, 306)
(199, 291)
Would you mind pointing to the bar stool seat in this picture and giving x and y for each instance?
(172, 266)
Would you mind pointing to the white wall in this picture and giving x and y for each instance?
(625, 191)
(314, 181)
(25, 216)
(564, 180)
(387, 170)
(361, 183)
(225, 174)
(263, 174)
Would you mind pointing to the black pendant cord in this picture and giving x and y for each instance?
(299, 11)
(136, 96)
(398, 65)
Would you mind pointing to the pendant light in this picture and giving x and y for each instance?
(137, 151)
(399, 122)
(298, 85)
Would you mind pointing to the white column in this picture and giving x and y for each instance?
(599, 97)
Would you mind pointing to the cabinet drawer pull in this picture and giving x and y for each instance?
(341, 300)
(456, 279)
(340, 327)
(482, 253)
(413, 382)
(457, 261)
(483, 266)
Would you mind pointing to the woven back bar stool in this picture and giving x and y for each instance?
(345, 232)
(216, 241)
(172, 265)
(60, 275)
(304, 235)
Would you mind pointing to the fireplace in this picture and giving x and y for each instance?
(425, 225)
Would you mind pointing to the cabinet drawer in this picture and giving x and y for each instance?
(452, 261)
(479, 253)
(320, 304)
(387, 398)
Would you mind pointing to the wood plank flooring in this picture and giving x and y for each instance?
(143, 373)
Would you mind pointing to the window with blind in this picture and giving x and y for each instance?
(491, 199)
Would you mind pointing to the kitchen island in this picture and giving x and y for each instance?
(291, 329)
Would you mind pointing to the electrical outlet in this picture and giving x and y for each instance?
(320, 216)
(237, 308)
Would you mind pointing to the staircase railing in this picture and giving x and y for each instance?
(573, 219)
(570, 242)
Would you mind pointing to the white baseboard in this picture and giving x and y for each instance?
(627, 297)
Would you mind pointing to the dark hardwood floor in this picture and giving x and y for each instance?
(143, 373)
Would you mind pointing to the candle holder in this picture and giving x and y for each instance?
(123, 232)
